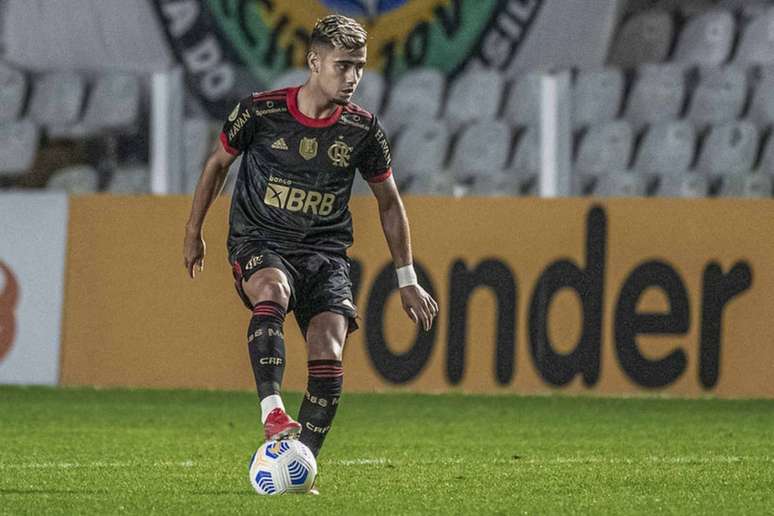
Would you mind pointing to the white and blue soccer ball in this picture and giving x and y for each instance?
(286, 466)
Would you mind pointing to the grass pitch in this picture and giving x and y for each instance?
(83, 451)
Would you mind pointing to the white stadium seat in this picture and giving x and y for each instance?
(482, 149)
(76, 179)
(421, 148)
(431, 183)
(720, 96)
(621, 184)
(667, 148)
(474, 96)
(114, 102)
(658, 95)
(596, 96)
(645, 37)
(13, 90)
(761, 110)
(418, 94)
(522, 107)
(729, 149)
(198, 136)
(57, 98)
(499, 184)
(18, 145)
(690, 184)
(756, 45)
(747, 185)
(370, 92)
(604, 148)
(706, 39)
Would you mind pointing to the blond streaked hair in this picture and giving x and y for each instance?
(338, 31)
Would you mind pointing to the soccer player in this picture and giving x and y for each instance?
(290, 226)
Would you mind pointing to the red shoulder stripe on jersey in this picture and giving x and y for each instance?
(282, 92)
(224, 140)
(354, 108)
(381, 177)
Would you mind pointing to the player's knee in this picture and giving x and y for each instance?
(325, 337)
(268, 285)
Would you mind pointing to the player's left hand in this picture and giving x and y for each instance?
(419, 305)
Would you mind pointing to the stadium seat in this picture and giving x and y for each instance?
(596, 96)
(706, 39)
(604, 148)
(756, 44)
(644, 38)
(13, 90)
(766, 162)
(370, 92)
(729, 149)
(690, 184)
(719, 97)
(498, 184)
(198, 136)
(747, 10)
(761, 110)
(482, 149)
(57, 99)
(692, 8)
(667, 148)
(421, 148)
(474, 96)
(418, 94)
(130, 180)
(18, 145)
(747, 185)
(526, 154)
(76, 179)
(522, 107)
(621, 184)
(658, 95)
(431, 183)
(114, 102)
(290, 77)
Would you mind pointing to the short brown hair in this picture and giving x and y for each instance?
(338, 31)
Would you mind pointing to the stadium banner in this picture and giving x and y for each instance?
(610, 297)
(33, 228)
(231, 47)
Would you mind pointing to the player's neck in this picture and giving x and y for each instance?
(312, 103)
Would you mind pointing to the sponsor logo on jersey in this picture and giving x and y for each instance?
(340, 153)
(238, 123)
(298, 200)
(280, 144)
(254, 262)
(308, 148)
(232, 116)
(381, 139)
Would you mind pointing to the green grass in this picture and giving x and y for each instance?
(82, 451)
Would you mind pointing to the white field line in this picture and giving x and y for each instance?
(688, 460)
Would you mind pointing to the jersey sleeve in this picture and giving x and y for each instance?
(239, 129)
(376, 162)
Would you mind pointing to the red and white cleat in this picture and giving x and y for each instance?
(279, 425)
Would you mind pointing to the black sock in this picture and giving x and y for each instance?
(320, 402)
(266, 345)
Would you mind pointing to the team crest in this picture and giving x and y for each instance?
(340, 154)
(308, 148)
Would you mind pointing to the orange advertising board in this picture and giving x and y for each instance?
(573, 295)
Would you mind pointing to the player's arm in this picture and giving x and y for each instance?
(208, 188)
(417, 303)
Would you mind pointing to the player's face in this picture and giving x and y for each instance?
(340, 73)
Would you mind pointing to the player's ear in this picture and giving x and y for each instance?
(313, 60)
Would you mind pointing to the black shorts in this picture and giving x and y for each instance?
(319, 282)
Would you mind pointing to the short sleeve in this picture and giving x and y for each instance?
(239, 128)
(376, 161)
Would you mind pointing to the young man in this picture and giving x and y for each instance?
(290, 224)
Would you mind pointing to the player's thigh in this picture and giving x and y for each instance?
(325, 336)
(263, 275)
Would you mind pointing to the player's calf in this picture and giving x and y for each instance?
(320, 402)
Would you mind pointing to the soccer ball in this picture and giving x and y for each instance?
(286, 466)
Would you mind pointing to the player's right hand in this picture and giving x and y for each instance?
(193, 252)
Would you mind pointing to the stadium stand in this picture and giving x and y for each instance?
(621, 184)
(645, 37)
(706, 39)
(658, 95)
(667, 148)
(76, 179)
(604, 147)
(13, 90)
(729, 149)
(522, 107)
(18, 146)
(421, 148)
(417, 94)
(719, 97)
(370, 92)
(747, 185)
(525, 164)
(756, 43)
(482, 149)
(57, 98)
(691, 184)
(474, 96)
(596, 96)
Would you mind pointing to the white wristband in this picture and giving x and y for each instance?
(406, 276)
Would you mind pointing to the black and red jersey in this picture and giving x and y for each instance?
(294, 183)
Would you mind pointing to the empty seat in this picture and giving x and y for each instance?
(474, 96)
(76, 179)
(766, 163)
(130, 180)
(499, 184)
(604, 148)
(18, 144)
(644, 38)
(418, 94)
(668, 148)
(756, 44)
(523, 105)
(197, 142)
(746, 9)
(57, 98)
(13, 89)
(690, 184)
(621, 184)
(526, 154)
(706, 39)
(747, 185)
(370, 92)
(291, 77)
(658, 95)
(431, 183)
(483, 149)
(719, 97)
(596, 96)
(729, 149)
(114, 102)
(421, 148)
(761, 110)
